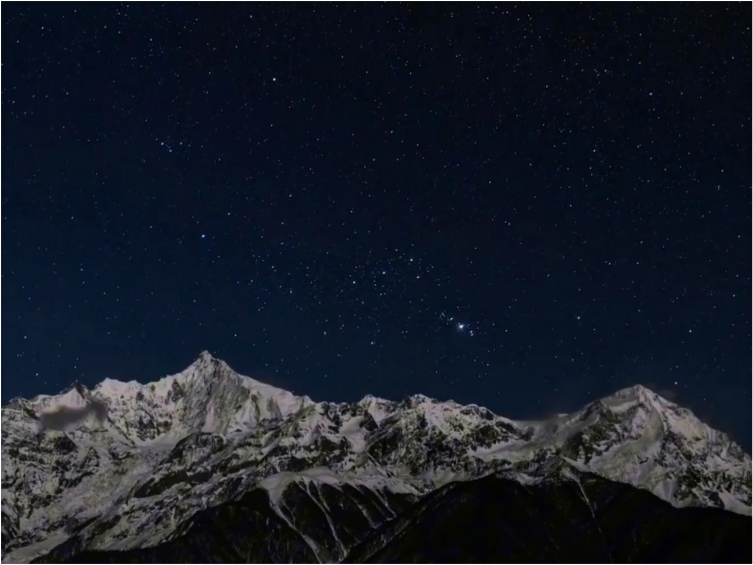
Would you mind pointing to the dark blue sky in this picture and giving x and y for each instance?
(521, 206)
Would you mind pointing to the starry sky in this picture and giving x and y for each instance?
(525, 207)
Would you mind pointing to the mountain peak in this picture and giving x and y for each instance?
(636, 391)
(76, 386)
(641, 406)
(209, 367)
(638, 394)
(205, 356)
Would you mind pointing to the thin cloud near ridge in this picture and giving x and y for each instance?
(66, 418)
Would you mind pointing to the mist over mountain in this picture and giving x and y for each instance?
(64, 418)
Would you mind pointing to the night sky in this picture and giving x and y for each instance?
(521, 206)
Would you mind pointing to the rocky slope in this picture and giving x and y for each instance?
(207, 443)
(557, 515)
(576, 518)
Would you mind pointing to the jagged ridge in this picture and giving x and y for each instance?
(207, 435)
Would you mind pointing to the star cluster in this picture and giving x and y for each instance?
(521, 206)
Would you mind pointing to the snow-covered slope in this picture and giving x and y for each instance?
(207, 435)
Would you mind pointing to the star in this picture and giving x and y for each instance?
(357, 219)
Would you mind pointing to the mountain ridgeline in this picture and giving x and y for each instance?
(211, 466)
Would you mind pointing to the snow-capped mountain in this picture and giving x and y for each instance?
(171, 453)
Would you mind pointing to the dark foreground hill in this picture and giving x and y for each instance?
(493, 520)
(581, 518)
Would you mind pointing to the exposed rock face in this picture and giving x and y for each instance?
(207, 444)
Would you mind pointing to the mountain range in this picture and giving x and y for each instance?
(211, 466)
